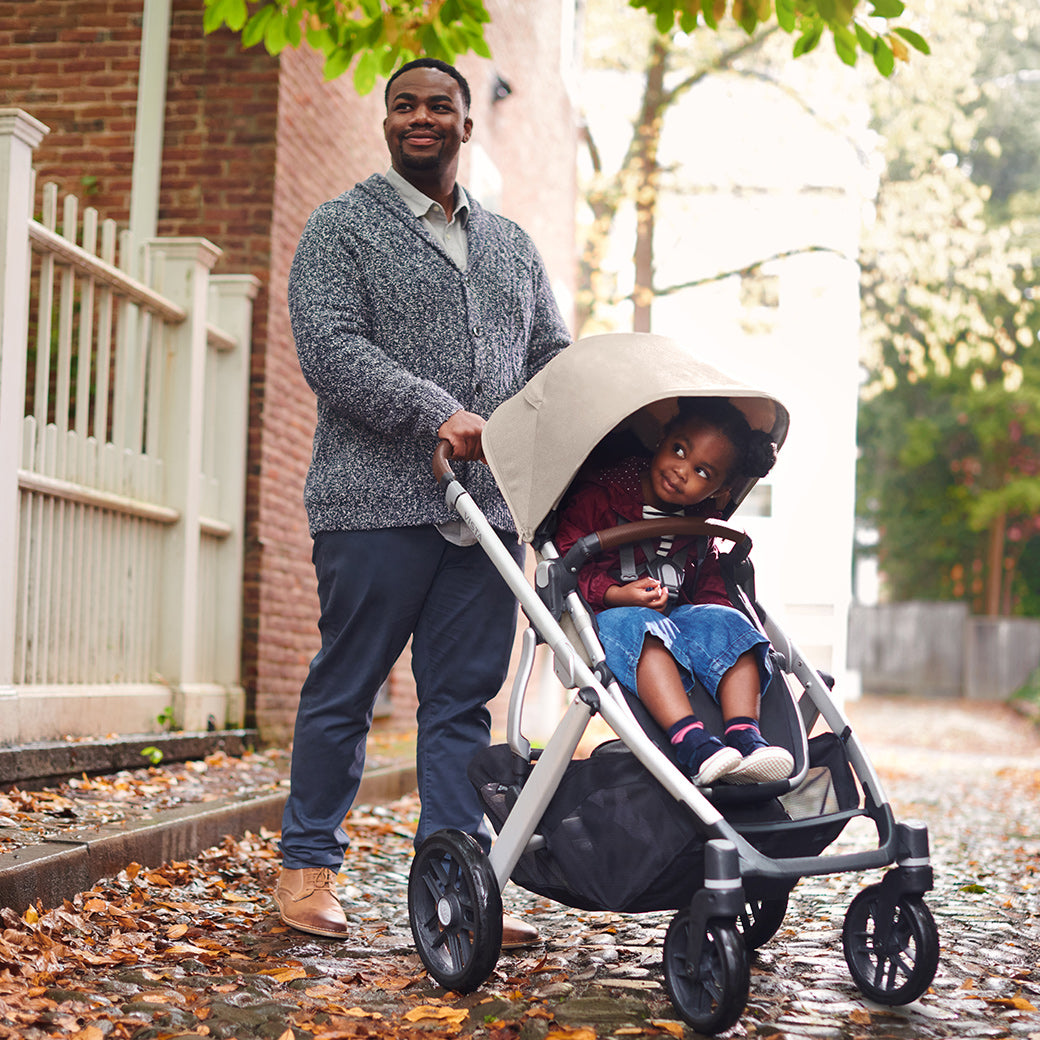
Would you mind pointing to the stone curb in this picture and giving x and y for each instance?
(56, 870)
(41, 764)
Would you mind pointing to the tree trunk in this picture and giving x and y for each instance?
(647, 182)
(995, 564)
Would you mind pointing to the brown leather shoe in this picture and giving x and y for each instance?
(307, 901)
(517, 933)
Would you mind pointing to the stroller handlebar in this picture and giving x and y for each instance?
(649, 530)
(441, 467)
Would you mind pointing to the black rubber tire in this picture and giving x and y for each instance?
(713, 998)
(760, 920)
(892, 961)
(455, 910)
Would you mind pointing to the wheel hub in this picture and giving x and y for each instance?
(447, 911)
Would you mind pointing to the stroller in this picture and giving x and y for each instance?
(624, 829)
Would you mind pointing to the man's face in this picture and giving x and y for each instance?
(426, 122)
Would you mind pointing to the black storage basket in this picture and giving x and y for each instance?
(616, 840)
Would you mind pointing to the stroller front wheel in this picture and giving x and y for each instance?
(711, 994)
(892, 950)
(455, 910)
(760, 920)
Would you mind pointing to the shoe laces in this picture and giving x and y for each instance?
(323, 878)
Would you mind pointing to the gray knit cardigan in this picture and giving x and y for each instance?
(393, 338)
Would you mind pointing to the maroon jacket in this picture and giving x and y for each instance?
(596, 501)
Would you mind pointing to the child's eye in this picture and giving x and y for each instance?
(702, 473)
(679, 450)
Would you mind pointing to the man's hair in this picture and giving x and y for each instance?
(431, 63)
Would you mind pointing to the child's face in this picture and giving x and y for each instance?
(691, 463)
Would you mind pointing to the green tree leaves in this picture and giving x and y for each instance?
(377, 35)
(381, 33)
(853, 24)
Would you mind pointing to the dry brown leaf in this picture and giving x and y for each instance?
(861, 1016)
(175, 931)
(566, 1033)
(1019, 1003)
(287, 974)
(671, 1027)
(177, 949)
(324, 991)
(439, 1013)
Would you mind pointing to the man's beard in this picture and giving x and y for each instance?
(419, 162)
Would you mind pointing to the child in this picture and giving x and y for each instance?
(665, 618)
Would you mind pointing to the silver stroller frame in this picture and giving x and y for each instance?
(890, 940)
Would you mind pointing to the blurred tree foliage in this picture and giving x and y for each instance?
(949, 426)
(382, 33)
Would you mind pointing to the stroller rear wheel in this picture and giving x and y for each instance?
(760, 920)
(455, 910)
(710, 995)
(892, 950)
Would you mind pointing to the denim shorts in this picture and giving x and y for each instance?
(705, 639)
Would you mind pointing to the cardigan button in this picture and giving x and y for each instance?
(478, 330)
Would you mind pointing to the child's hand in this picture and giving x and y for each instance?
(643, 592)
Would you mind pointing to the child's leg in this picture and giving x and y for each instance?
(659, 686)
(739, 695)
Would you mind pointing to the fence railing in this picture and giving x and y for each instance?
(123, 423)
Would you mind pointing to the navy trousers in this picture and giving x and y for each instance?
(376, 589)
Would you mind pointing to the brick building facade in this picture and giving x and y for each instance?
(251, 144)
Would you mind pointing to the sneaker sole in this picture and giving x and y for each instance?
(722, 763)
(762, 766)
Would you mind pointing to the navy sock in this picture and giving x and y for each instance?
(693, 744)
(688, 729)
(741, 722)
(742, 732)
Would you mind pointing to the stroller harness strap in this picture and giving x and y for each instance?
(659, 562)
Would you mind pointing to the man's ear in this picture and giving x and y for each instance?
(467, 129)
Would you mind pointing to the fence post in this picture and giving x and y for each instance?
(231, 309)
(19, 136)
(186, 267)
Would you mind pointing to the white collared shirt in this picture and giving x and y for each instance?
(451, 235)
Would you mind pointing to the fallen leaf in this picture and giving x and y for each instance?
(175, 931)
(288, 974)
(1018, 1003)
(440, 1014)
(671, 1027)
(860, 1016)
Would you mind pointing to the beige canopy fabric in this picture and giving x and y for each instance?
(537, 441)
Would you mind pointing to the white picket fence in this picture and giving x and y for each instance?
(123, 421)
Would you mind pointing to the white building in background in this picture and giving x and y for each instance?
(759, 176)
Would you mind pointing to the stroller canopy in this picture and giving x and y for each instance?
(536, 442)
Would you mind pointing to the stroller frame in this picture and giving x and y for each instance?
(890, 941)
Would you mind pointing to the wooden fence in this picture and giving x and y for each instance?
(941, 650)
(123, 420)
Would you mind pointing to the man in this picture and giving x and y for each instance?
(415, 313)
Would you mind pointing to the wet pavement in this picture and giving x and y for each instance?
(193, 949)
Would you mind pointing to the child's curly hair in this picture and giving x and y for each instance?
(756, 450)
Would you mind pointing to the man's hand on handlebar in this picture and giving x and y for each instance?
(462, 431)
